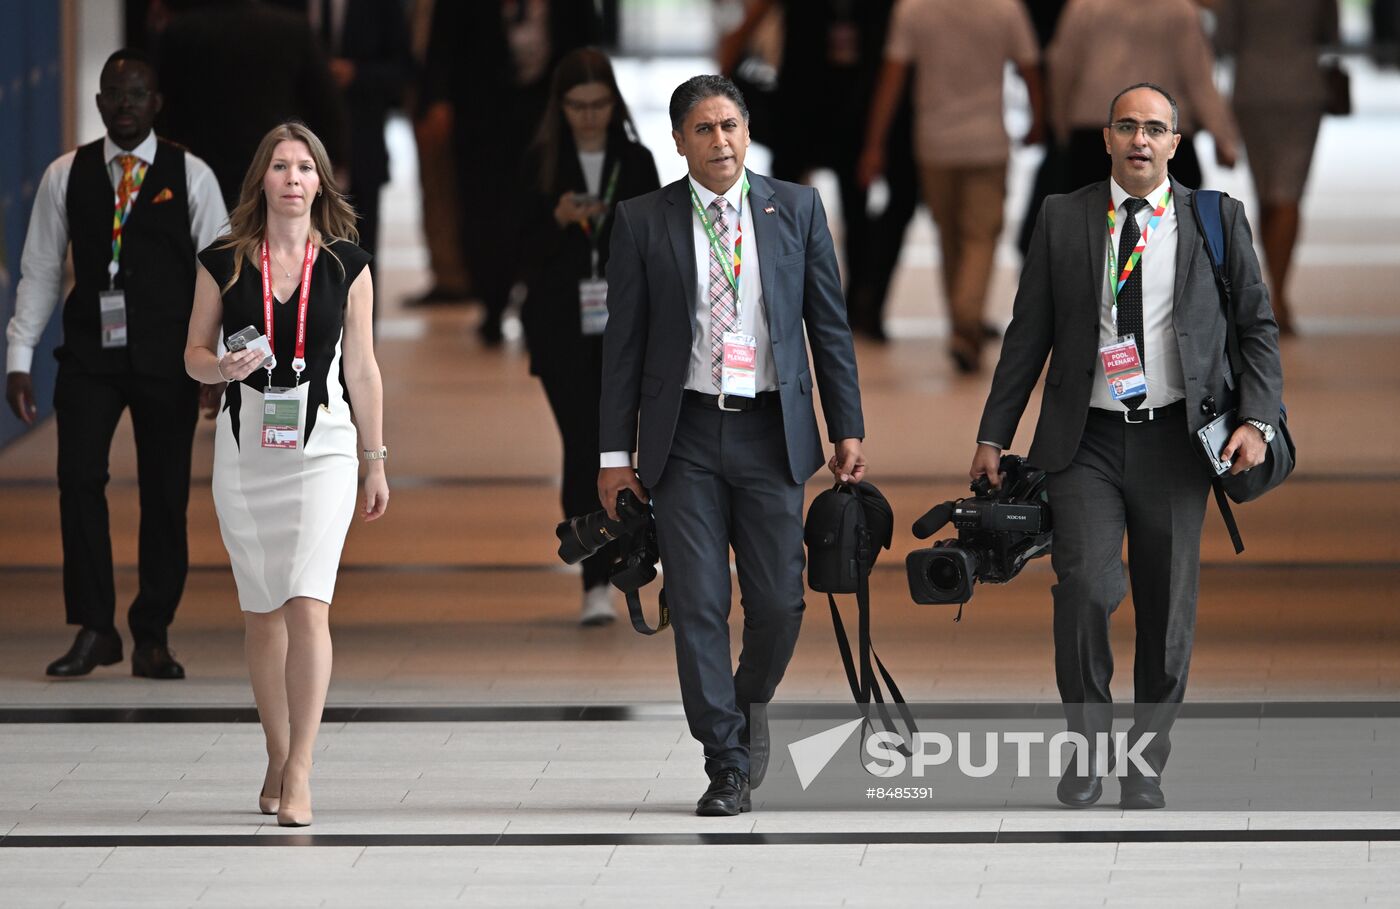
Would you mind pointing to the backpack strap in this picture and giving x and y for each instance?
(1208, 218)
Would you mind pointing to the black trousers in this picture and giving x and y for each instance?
(574, 400)
(727, 484)
(163, 416)
(1148, 481)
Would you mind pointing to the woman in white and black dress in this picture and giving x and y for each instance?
(286, 463)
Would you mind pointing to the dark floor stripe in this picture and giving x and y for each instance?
(888, 567)
(707, 839)
(547, 713)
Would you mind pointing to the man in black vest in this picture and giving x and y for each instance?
(135, 209)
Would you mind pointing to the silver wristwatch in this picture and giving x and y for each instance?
(1263, 427)
(376, 454)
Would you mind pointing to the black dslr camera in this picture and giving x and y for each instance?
(635, 532)
(999, 531)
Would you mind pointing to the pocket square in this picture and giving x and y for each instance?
(165, 195)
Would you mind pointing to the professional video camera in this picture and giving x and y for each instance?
(999, 531)
(635, 565)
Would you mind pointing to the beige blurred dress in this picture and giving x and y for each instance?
(1280, 90)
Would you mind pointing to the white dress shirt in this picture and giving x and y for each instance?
(753, 317)
(1165, 382)
(46, 243)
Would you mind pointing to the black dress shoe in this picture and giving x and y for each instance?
(727, 796)
(90, 649)
(1078, 790)
(1141, 792)
(155, 661)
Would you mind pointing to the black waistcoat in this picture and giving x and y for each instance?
(157, 266)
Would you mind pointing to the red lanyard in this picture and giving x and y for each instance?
(299, 361)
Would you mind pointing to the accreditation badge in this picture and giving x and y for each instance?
(593, 306)
(111, 307)
(281, 426)
(1123, 369)
(739, 374)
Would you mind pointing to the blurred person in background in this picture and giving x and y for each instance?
(958, 53)
(584, 161)
(123, 325)
(437, 178)
(1279, 95)
(1101, 44)
(366, 47)
(487, 82)
(232, 70)
(833, 50)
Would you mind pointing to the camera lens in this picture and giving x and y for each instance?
(944, 574)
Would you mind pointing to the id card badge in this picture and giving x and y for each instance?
(281, 426)
(739, 375)
(593, 306)
(111, 306)
(1123, 368)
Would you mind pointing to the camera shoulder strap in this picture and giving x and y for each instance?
(639, 621)
(1206, 205)
(865, 688)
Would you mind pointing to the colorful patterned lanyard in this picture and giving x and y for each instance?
(1136, 256)
(133, 175)
(299, 361)
(730, 266)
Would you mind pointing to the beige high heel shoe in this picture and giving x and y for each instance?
(292, 817)
(289, 818)
(269, 804)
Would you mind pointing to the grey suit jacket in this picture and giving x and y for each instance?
(652, 298)
(1057, 314)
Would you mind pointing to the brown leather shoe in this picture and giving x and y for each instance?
(155, 661)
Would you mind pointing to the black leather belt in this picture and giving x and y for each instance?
(731, 403)
(1142, 414)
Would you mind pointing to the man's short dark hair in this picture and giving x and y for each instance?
(696, 89)
(1176, 112)
(133, 55)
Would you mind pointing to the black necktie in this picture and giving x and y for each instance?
(1130, 297)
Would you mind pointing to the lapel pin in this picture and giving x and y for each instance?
(768, 210)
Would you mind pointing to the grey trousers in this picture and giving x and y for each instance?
(727, 483)
(1147, 480)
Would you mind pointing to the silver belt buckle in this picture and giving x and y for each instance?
(1128, 416)
(723, 399)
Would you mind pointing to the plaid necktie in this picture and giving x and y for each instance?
(724, 310)
(1130, 297)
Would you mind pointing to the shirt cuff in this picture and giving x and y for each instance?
(19, 358)
(615, 459)
(993, 444)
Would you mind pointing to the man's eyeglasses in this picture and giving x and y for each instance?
(1153, 129)
(117, 95)
(588, 107)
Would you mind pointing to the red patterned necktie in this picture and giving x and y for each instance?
(724, 310)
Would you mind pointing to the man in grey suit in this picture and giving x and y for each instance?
(1118, 277)
(712, 280)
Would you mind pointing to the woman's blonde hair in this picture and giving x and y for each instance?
(331, 215)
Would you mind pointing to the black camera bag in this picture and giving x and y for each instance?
(1282, 453)
(846, 528)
